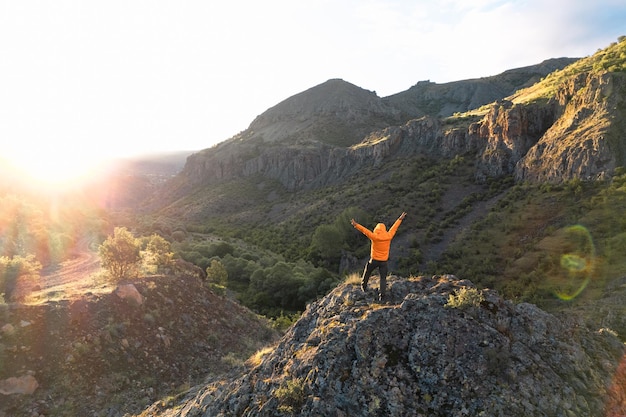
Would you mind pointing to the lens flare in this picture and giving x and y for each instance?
(578, 264)
(573, 262)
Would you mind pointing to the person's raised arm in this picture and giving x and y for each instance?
(361, 228)
(395, 226)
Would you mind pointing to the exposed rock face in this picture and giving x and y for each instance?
(584, 142)
(313, 164)
(421, 355)
(510, 131)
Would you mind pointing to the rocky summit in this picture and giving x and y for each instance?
(438, 347)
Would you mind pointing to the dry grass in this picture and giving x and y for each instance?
(256, 359)
(353, 279)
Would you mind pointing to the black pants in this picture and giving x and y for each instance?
(382, 269)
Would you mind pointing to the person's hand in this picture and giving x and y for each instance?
(352, 222)
(403, 215)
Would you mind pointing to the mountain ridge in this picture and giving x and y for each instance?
(445, 99)
(284, 142)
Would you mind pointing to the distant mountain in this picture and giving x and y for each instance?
(120, 183)
(305, 140)
(163, 164)
(327, 133)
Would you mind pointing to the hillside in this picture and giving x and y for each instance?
(327, 134)
(439, 348)
(109, 351)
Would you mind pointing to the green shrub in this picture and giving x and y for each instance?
(120, 254)
(12, 268)
(290, 396)
(465, 298)
(216, 273)
(284, 322)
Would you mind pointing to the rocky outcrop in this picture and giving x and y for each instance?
(440, 347)
(587, 141)
(508, 132)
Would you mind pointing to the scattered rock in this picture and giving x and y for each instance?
(24, 385)
(8, 329)
(129, 292)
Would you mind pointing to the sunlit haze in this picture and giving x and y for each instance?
(57, 168)
(82, 80)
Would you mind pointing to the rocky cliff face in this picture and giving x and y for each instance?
(586, 141)
(438, 348)
(314, 164)
(508, 132)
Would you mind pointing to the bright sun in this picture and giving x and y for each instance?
(59, 169)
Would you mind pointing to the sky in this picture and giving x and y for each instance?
(93, 79)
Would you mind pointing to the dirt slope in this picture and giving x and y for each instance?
(93, 352)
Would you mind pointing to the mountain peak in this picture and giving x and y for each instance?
(441, 347)
(335, 112)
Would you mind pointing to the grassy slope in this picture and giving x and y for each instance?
(610, 59)
(517, 247)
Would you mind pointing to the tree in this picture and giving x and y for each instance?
(11, 269)
(120, 254)
(158, 251)
(345, 228)
(327, 241)
(216, 273)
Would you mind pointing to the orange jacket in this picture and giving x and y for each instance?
(381, 239)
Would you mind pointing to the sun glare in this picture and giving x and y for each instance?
(57, 169)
